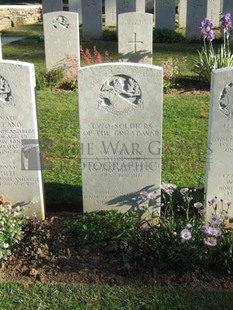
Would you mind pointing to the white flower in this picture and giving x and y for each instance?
(5, 245)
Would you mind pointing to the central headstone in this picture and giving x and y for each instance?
(219, 176)
(213, 12)
(110, 13)
(196, 12)
(20, 166)
(92, 18)
(165, 11)
(120, 110)
(135, 37)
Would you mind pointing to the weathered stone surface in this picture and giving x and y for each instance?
(135, 37)
(219, 176)
(20, 166)
(61, 35)
(120, 110)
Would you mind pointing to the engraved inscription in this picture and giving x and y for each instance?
(6, 98)
(60, 22)
(226, 101)
(120, 94)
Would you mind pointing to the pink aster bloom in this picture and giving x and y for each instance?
(185, 235)
(210, 241)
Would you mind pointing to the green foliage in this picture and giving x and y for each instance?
(103, 227)
(179, 240)
(48, 79)
(167, 36)
(11, 228)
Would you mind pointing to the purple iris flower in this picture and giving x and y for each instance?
(226, 21)
(206, 27)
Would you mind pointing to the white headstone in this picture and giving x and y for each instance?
(228, 7)
(120, 110)
(125, 6)
(219, 176)
(92, 18)
(196, 12)
(76, 6)
(213, 12)
(110, 12)
(182, 13)
(52, 6)
(165, 11)
(61, 35)
(135, 37)
(20, 166)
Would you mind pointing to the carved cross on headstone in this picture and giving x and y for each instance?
(135, 42)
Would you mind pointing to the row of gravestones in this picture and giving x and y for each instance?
(120, 110)
(190, 13)
(61, 36)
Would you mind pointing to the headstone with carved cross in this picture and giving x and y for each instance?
(196, 12)
(92, 19)
(165, 11)
(135, 36)
(219, 170)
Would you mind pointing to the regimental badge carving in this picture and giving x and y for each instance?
(120, 94)
(6, 99)
(226, 101)
(60, 21)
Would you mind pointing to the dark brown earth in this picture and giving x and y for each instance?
(47, 255)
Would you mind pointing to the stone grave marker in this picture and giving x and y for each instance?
(61, 36)
(182, 13)
(135, 37)
(110, 12)
(213, 12)
(120, 110)
(165, 11)
(196, 12)
(20, 166)
(52, 6)
(92, 18)
(228, 7)
(219, 176)
(76, 6)
(126, 6)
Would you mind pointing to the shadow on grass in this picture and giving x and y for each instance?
(63, 198)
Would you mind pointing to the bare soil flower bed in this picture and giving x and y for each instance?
(49, 256)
